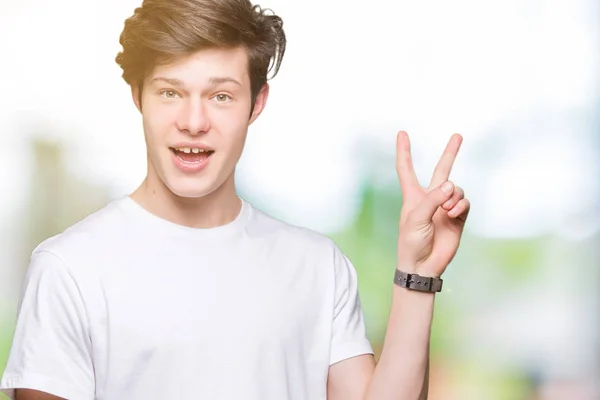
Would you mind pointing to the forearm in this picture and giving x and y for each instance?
(401, 373)
(431, 223)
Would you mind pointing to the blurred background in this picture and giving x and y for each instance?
(520, 314)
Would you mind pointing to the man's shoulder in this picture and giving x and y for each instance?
(272, 228)
(86, 235)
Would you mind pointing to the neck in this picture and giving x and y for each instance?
(218, 208)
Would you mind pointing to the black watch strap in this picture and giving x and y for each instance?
(417, 282)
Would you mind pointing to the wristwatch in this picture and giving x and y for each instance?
(417, 282)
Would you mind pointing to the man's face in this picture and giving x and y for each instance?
(196, 113)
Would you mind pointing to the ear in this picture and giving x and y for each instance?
(135, 93)
(260, 103)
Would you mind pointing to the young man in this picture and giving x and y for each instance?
(183, 290)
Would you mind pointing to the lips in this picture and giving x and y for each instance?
(191, 158)
(191, 154)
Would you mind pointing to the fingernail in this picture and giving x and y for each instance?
(447, 187)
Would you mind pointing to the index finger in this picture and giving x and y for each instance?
(442, 170)
(406, 173)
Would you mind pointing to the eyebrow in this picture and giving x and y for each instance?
(216, 80)
(170, 81)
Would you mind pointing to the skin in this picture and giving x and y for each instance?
(183, 102)
(190, 106)
(431, 224)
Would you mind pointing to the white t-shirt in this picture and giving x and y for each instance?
(126, 305)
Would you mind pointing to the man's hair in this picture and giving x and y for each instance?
(162, 31)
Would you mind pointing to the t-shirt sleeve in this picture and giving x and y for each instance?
(349, 338)
(51, 348)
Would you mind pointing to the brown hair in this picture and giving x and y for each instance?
(161, 31)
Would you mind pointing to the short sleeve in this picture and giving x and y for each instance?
(349, 338)
(51, 348)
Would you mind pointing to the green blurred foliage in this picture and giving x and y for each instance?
(370, 243)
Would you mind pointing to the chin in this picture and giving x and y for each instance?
(190, 191)
(192, 187)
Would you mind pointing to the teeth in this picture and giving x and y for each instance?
(189, 150)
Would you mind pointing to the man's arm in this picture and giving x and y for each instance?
(404, 362)
(431, 223)
(29, 394)
(349, 379)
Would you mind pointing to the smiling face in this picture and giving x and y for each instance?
(196, 113)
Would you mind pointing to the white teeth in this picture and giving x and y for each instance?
(189, 150)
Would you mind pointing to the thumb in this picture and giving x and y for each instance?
(434, 199)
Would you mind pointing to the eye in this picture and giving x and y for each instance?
(169, 94)
(222, 98)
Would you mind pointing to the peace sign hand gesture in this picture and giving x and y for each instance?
(432, 219)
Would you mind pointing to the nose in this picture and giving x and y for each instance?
(193, 119)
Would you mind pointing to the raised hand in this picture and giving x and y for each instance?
(432, 219)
